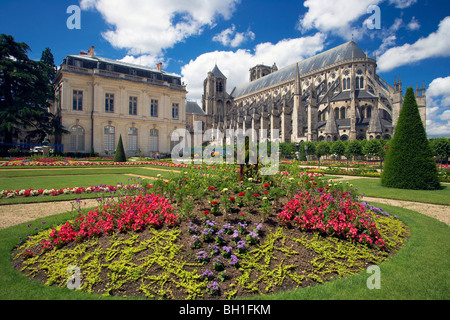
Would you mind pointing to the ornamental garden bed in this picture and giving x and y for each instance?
(205, 235)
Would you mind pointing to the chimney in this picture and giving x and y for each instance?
(91, 51)
(159, 66)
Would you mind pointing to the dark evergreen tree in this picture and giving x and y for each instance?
(409, 162)
(26, 92)
(120, 152)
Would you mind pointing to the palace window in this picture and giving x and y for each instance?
(154, 140)
(154, 108)
(132, 139)
(109, 102)
(175, 110)
(77, 100)
(109, 138)
(77, 139)
(133, 106)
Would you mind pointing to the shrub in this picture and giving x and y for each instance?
(353, 149)
(441, 148)
(120, 152)
(338, 148)
(409, 162)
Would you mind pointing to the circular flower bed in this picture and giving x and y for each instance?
(205, 235)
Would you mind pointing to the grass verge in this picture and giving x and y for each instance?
(373, 188)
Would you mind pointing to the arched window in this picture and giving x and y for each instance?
(344, 137)
(343, 116)
(154, 140)
(77, 139)
(132, 140)
(219, 86)
(348, 84)
(357, 82)
(109, 138)
(344, 85)
(363, 112)
(336, 113)
(369, 111)
(361, 82)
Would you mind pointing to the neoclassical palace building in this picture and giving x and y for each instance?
(334, 95)
(99, 99)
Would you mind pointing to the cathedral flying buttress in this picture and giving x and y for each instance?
(335, 95)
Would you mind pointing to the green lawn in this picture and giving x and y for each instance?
(373, 188)
(62, 181)
(419, 271)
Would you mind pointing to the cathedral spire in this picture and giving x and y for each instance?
(331, 126)
(298, 83)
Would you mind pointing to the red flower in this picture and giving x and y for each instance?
(266, 192)
(232, 199)
(266, 185)
(256, 194)
(211, 188)
(242, 214)
(241, 194)
(205, 212)
(214, 203)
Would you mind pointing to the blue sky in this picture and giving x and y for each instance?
(189, 37)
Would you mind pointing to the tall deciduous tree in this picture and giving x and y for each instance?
(409, 161)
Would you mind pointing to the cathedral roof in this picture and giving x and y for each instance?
(193, 108)
(340, 53)
(217, 73)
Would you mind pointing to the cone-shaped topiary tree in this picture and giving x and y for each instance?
(409, 161)
(120, 152)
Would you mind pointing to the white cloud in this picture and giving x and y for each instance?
(438, 107)
(435, 45)
(229, 37)
(150, 26)
(413, 24)
(236, 64)
(336, 16)
(402, 4)
(145, 60)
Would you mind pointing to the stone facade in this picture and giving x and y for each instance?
(99, 99)
(334, 95)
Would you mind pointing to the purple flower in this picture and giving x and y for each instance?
(211, 223)
(242, 225)
(207, 274)
(214, 249)
(193, 228)
(234, 260)
(226, 251)
(213, 287)
(202, 256)
(253, 234)
(235, 234)
(241, 246)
